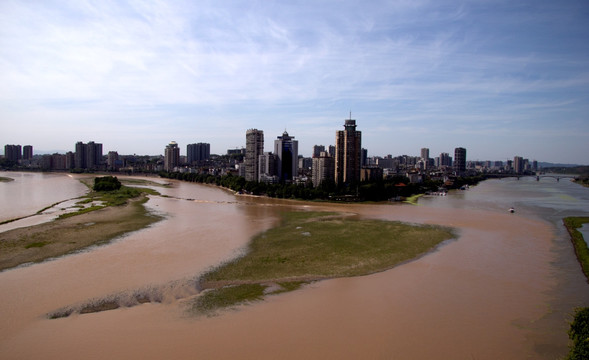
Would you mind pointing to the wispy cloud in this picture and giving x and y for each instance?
(448, 65)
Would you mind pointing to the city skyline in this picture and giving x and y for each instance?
(498, 78)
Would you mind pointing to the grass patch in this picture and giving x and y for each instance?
(70, 234)
(38, 244)
(228, 296)
(413, 199)
(5, 179)
(581, 249)
(309, 246)
(80, 212)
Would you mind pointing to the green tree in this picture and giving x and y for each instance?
(106, 183)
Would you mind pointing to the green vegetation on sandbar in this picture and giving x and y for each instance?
(579, 335)
(581, 249)
(108, 191)
(311, 246)
(5, 179)
(122, 212)
(413, 199)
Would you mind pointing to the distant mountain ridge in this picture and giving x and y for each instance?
(552, 165)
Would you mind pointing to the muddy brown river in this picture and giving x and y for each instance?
(504, 289)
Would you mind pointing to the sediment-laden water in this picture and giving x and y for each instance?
(503, 289)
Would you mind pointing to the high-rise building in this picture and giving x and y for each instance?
(80, 156)
(13, 153)
(88, 156)
(459, 160)
(196, 153)
(267, 167)
(348, 143)
(171, 156)
(70, 160)
(286, 150)
(93, 155)
(317, 149)
(363, 157)
(331, 151)
(27, 152)
(425, 154)
(518, 164)
(323, 168)
(445, 159)
(254, 147)
(112, 160)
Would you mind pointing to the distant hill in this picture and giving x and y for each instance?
(574, 169)
(556, 165)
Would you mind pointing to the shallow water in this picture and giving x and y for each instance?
(31, 192)
(503, 289)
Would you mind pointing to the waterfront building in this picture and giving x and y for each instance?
(27, 152)
(112, 160)
(171, 156)
(348, 155)
(70, 160)
(88, 156)
(459, 160)
(518, 164)
(254, 147)
(197, 153)
(323, 168)
(93, 155)
(286, 150)
(13, 153)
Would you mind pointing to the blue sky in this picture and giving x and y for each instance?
(500, 78)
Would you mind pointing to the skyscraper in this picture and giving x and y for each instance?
(323, 168)
(13, 153)
(267, 167)
(459, 160)
(88, 156)
(254, 147)
(286, 150)
(93, 155)
(425, 154)
(171, 156)
(518, 164)
(348, 144)
(445, 159)
(317, 149)
(27, 152)
(196, 153)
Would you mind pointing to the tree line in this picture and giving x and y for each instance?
(389, 188)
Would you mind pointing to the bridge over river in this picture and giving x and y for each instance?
(557, 177)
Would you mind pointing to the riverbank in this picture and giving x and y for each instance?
(66, 235)
(579, 243)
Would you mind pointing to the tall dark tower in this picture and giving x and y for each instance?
(287, 151)
(460, 160)
(348, 148)
(254, 147)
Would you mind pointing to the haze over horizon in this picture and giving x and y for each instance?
(499, 78)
